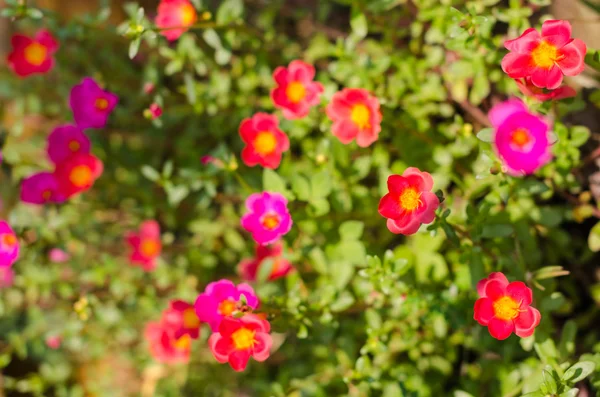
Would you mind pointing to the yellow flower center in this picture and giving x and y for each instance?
(265, 143)
(74, 146)
(295, 91)
(270, 221)
(190, 319)
(545, 55)
(183, 343)
(227, 307)
(188, 15)
(47, 194)
(35, 54)
(243, 339)
(9, 239)
(520, 138)
(506, 308)
(81, 175)
(410, 199)
(101, 104)
(149, 248)
(360, 116)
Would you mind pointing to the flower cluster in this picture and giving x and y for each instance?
(69, 149)
(9, 253)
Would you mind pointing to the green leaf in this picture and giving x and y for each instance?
(341, 274)
(230, 11)
(497, 230)
(321, 185)
(570, 393)
(150, 173)
(358, 23)
(344, 301)
(579, 371)
(301, 187)
(566, 345)
(351, 230)
(212, 38)
(594, 238)
(190, 88)
(134, 47)
(579, 135)
(486, 135)
(272, 182)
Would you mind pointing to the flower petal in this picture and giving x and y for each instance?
(500, 329)
(573, 61)
(262, 347)
(559, 28)
(239, 359)
(520, 292)
(527, 321)
(495, 289)
(483, 310)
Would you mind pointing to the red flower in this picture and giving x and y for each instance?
(547, 57)
(146, 245)
(174, 17)
(409, 202)
(155, 111)
(527, 88)
(77, 173)
(296, 91)
(355, 115)
(32, 55)
(504, 307)
(265, 142)
(240, 338)
(182, 317)
(248, 268)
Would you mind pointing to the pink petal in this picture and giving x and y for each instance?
(499, 113)
(517, 65)
(547, 78)
(495, 289)
(483, 311)
(262, 347)
(524, 43)
(238, 359)
(500, 329)
(573, 62)
(527, 321)
(560, 29)
(520, 292)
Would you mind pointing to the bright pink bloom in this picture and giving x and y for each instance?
(56, 255)
(91, 105)
(239, 339)
(164, 346)
(409, 202)
(32, 55)
(267, 218)
(504, 307)
(527, 88)
(155, 111)
(77, 174)
(181, 315)
(53, 341)
(9, 245)
(146, 245)
(41, 188)
(521, 138)
(248, 268)
(220, 299)
(355, 115)
(65, 141)
(296, 92)
(175, 14)
(7, 277)
(545, 57)
(265, 142)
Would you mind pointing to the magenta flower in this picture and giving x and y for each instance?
(220, 299)
(9, 245)
(56, 255)
(521, 138)
(267, 218)
(91, 105)
(65, 141)
(7, 277)
(41, 188)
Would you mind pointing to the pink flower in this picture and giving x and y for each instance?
(56, 255)
(267, 218)
(65, 141)
(164, 346)
(504, 307)
(146, 245)
(265, 142)
(220, 299)
(77, 174)
(248, 268)
(53, 341)
(177, 14)
(545, 58)
(527, 88)
(148, 87)
(32, 55)
(181, 316)
(9, 245)
(91, 105)
(521, 138)
(41, 188)
(155, 111)
(409, 202)
(238, 339)
(7, 277)
(355, 115)
(296, 92)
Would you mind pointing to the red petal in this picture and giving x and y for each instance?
(423, 180)
(389, 207)
(520, 292)
(280, 75)
(495, 289)
(558, 28)
(499, 276)
(547, 78)
(239, 359)
(220, 347)
(500, 329)
(517, 65)
(524, 43)
(527, 321)
(247, 131)
(483, 310)
(229, 325)
(573, 62)
(262, 347)
(255, 323)
(396, 184)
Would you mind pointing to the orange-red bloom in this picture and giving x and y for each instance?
(265, 142)
(145, 245)
(174, 17)
(77, 174)
(355, 115)
(504, 307)
(409, 202)
(239, 339)
(32, 55)
(296, 92)
(545, 57)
